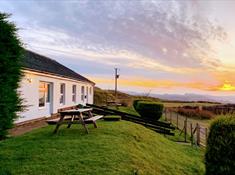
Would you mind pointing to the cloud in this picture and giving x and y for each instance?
(141, 27)
(169, 40)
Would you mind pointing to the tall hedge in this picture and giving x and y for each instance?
(220, 150)
(149, 110)
(10, 65)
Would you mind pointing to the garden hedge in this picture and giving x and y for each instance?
(149, 110)
(220, 150)
(135, 102)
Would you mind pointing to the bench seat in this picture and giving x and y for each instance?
(94, 118)
(76, 120)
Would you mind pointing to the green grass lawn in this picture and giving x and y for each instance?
(129, 110)
(114, 148)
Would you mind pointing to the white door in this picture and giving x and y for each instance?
(45, 98)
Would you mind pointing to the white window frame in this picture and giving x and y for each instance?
(74, 93)
(62, 94)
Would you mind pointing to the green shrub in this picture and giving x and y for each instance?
(135, 102)
(10, 65)
(149, 110)
(220, 150)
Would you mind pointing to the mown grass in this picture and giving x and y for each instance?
(114, 148)
(129, 110)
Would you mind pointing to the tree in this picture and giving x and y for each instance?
(11, 52)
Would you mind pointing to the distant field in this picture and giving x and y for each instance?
(176, 104)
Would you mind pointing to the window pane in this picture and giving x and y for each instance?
(74, 93)
(62, 93)
(74, 89)
(61, 99)
(62, 88)
(90, 90)
(82, 91)
(48, 93)
(41, 98)
(41, 91)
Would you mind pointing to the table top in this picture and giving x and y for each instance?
(77, 110)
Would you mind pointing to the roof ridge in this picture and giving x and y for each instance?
(40, 62)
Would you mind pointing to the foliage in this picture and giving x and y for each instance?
(149, 110)
(135, 102)
(10, 58)
(113, 148)
(220, 152)
(194, 113)
(221, 109)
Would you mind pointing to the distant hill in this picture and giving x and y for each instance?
(188, 97)
(101, 97)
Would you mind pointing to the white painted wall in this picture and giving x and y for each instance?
(29, 90)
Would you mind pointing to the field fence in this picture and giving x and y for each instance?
(197, 131)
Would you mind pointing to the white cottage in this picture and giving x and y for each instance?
(48, 85)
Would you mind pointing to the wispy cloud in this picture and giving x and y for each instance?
(166, 39)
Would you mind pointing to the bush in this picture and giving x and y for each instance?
(195, 113)
(220, 150)
(11, 53)
(149, 110)
(135, 102)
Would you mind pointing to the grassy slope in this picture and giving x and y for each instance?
(113, 148)
(129, 110)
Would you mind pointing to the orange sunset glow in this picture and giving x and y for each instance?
(227, 87)
(188, 49)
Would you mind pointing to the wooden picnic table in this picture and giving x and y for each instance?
(75, 114)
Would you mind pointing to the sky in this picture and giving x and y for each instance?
(170, 46)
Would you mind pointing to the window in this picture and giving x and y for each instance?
(62, 93)
(82, 93)
(74, 94)
(44, 93)
(90, 90)
(48, 93)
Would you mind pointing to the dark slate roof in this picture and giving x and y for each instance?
(39, 63)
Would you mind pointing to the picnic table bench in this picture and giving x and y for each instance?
(75, 116)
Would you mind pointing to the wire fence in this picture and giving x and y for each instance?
(197, 131)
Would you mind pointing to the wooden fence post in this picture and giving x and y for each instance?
(170, 116)
(191, 128)
(198, 134)
(177, 120)
(185, 130)
(165, 114)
